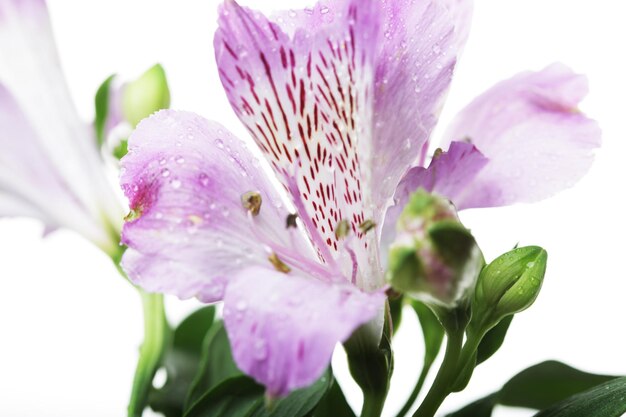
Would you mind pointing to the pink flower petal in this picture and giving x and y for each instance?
(450, 174)
(283, 328)
(535, 138)
(414, 67)
(185, 178)
(307, 101)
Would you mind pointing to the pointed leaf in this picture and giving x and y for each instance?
(493, 340)
(606, 400)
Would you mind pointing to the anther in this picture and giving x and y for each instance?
(278, 264)
(251, 201)
(367, 225)
(342, 230)
(291, 220)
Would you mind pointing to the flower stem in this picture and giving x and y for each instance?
(373, 405)
(150, 354)
(446, 376)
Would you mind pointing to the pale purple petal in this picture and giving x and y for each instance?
(535, 138)
(416, 59)
(30, 184)
(189, 231)
(450, 174)
(307, 101)
(461, 12)
(283, 328)
(31, 70)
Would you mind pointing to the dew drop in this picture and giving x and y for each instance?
(176, 184)
(165, 172)
(324, 10)
(180, 160)
(219, 143)
(260, 349)
(436, 49)
(204, 179)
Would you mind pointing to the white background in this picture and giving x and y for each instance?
(70, 326)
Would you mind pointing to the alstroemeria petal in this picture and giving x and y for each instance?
(307, 102)
(450, 174)
(30, 68)
(188, 230)
(284, 328)
(535, 138)
(461, 12)
(413, 73)
(29, 183)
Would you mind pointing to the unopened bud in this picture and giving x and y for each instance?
(509, 284)
(434, 258)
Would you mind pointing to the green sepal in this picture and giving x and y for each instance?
(146, 95)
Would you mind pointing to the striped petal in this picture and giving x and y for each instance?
(306, 100)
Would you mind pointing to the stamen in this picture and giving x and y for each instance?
(342, 230)
(291, 220)
(278, 264)
(367, 225)
(133, 214)
(251, 201)
(437, 153)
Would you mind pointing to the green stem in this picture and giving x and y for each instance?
(373, 405)
(150, 354)
(418, 388)
(445, 377)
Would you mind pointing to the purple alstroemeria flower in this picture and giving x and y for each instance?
(50, 168)
(341, 99)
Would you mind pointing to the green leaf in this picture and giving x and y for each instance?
(537, 387)
(492, 341)
(182, 361)
(546, 383)
(241, 396)
(102, 109)
(480, 408)
(432, 330)
(216, 365)
(238, 396)
(333, 404)
(605, 400)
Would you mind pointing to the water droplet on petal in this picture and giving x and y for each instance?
(260, 349)
(176, 184)
(165, 172)
(324, 10)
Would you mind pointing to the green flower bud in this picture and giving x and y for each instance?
(144, 96)
(434, 258)
(508, 285)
